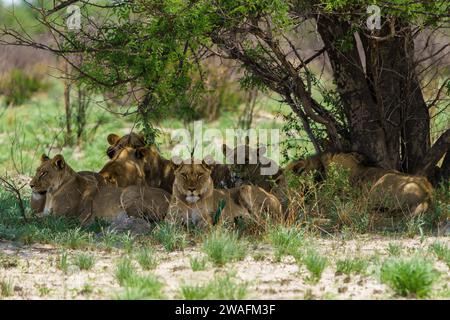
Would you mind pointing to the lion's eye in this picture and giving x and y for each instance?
(199, 176)
(42, 174)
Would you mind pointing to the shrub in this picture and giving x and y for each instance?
(409, 276)
(223, 246)
(18, 86)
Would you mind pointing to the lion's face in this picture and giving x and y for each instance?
(193, 181)
(48, 174)
(245, 161)
(126, 168)
(117, 143)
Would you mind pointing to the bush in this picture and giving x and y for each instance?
(18, 86)
(409, 276)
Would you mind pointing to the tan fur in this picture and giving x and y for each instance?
(157, 170)
(388, 188)
(146, 202)
(37, 201)
(247, 165)
(73, 195)
(194, 199)
(117, 143)
(126, 168)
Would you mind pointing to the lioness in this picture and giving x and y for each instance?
(158, 171)
(194, 199)
(117, 143)
(386, 188)
(71, 194)
(38, 198)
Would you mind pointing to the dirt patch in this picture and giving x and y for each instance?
(35, 274)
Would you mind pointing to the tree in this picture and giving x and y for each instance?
(376, 107)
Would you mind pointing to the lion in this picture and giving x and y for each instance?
(131, 164)
(71, 194)
(196, 201)
(37, 202)
(250, 166)
(385, 188)
(117, 143)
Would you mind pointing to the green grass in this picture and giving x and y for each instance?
(146, 258)
(315, 263)
(394, 249)
(170, 236)
(222, 246)
(224, 288)
(6, 288)
(285, 240)
(43, 290)
(136, 287)
(84, 261)
(124, 271)
(412, 276)
(7, 261)
(441, 251)
(197, 264)
(351, 266)
(62, 262)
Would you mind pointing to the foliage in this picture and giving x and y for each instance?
(409, 276)
(18, 86)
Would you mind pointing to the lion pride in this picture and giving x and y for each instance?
(158, 171)
(194, 199)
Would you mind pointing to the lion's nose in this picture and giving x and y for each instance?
(191, 189)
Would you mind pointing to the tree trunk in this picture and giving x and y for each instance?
(366, 131)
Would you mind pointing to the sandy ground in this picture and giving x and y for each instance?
(35, 275)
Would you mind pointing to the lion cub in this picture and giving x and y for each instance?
(194, 199)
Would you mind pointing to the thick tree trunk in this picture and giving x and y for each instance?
(366, 131)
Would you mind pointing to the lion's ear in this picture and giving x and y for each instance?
(112, 138)
(141, 152)
(58, 162)
(44, 158)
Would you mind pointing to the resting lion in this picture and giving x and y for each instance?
(73, 195)
(386, 188)
(158, 170)
(194, 199)
(37, 201)
(251, 167)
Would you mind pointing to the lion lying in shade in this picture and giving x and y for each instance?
(71, 194)
(389, 189)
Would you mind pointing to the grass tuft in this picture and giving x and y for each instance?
(409, 276)
(315, 263)
(197, 264)
(351, 266)
(286, 240)
(84, 261)
(441, 251)
(170, 236)
(224, 246)
(224, 288)
(146, 258)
